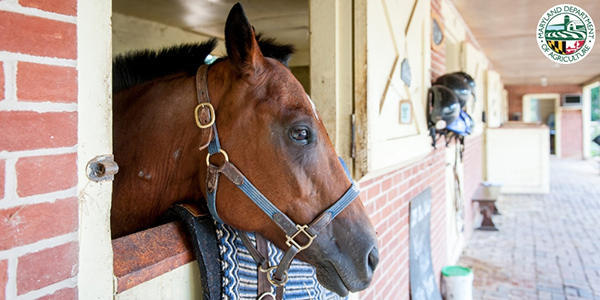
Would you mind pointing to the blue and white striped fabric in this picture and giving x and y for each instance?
(240, 271)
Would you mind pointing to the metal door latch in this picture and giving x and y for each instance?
(102, 168)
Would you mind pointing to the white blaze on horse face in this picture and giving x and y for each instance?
(313, 106)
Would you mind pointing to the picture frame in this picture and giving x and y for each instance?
(405, 112)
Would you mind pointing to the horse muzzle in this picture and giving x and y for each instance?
(345, 255)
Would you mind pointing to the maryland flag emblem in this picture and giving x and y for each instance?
(558, 46)
(565, 47)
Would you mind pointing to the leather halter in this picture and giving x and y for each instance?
(205, 119)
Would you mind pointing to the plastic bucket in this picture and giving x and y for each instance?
(457, 283)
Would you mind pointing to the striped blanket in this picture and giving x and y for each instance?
(239, 279)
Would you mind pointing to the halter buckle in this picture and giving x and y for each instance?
(272, 280)
(212, 114)
(301, 229)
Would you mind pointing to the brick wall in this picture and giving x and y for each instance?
(571, 120)
(473, 176)
(38, 168)
(516, 93)
(387, 201)
(438, 55)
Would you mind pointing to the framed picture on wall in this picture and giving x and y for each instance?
(405, 112)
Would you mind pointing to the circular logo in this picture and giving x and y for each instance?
(566, 34)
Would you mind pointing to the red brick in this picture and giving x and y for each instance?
(27, 130)
(31, 223)
(414, 170)
(45, 174)
(386, 184)
(435, 5)
(37, 36)
(393, 193)
(366, 183)
(373, 191)
(65, 7)
(397, 179)
(3, 278)
(381, 202)
(37, 82)
(64, 294)
(381, 227)
(412, 182)
(2, 81)
(2, 177)
(43, 268)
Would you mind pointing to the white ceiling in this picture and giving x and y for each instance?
(506, 30)
(284, 20)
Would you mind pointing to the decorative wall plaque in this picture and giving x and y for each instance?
(405, 72)
(405, 112)
(437, 32)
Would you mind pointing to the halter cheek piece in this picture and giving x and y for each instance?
(276, 275)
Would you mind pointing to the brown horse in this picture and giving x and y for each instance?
(268, 126)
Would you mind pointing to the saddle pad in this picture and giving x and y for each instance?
(240, 271)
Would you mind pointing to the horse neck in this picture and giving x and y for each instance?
(156, 146)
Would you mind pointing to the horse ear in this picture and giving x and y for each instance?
(240, 40)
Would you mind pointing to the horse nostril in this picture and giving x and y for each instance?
(373, 259)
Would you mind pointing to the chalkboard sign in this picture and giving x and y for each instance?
(422, 280)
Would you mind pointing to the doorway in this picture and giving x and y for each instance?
(591, 119)
(544, 109)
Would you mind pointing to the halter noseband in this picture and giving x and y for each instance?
(205, 119)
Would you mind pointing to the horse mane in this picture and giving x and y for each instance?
(137, 67)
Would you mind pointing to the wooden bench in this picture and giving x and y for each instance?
(486, 196)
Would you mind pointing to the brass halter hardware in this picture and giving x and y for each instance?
(212, 115)
(273, 281)
(301, 229)
(225, 156)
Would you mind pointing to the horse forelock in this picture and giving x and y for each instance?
(137, 67)
(134, 68)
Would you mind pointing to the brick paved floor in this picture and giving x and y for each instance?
(548, 246)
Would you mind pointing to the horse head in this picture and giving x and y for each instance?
(272, 133)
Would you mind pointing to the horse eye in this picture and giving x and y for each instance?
(300, 135)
